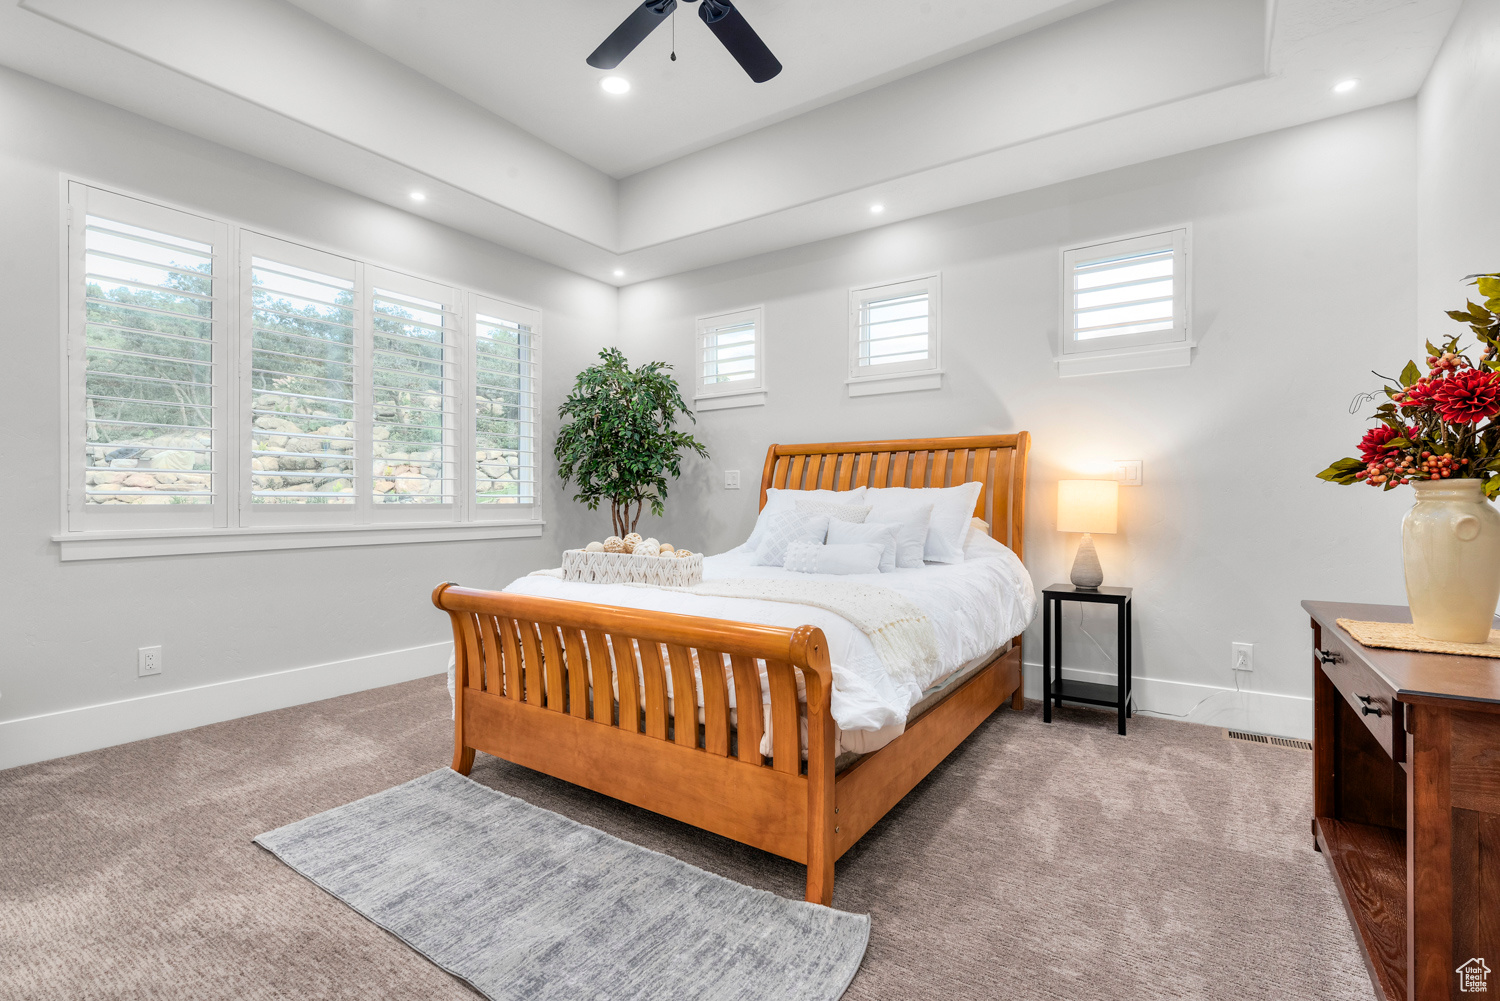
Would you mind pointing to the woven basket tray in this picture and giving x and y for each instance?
(623, 568)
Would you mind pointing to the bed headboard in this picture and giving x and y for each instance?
(997, 461)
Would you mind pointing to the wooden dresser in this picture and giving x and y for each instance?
(1406, 805)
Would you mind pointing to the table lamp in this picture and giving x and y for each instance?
(1087, 506)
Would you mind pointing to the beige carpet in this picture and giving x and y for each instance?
(1039, 862)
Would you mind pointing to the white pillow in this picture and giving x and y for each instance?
(785, 500)
(855, 513)
(952, 507)
(901, 507)
(882, 534)
(786, 527)
(809, 557)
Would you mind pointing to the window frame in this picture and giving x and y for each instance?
(896, 377)
(740, 393)
(478, 304)
(1136, 351)
(230, 522)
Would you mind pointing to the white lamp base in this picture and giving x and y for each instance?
(1087, 573)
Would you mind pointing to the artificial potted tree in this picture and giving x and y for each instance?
(621, 443)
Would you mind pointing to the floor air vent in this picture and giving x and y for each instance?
(1260, 738)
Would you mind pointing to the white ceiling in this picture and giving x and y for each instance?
(918, 105)
(524, 61)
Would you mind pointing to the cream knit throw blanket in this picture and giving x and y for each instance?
(902, 634)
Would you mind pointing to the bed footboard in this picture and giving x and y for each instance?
(536, 684)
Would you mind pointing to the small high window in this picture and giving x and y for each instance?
(1125, 305)
(894, 337)
(731, 364)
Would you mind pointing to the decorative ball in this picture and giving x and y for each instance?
(667, 549)
(669, 553)
(614, 544)
(594, 547)
(647, 548)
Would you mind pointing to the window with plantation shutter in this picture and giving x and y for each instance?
(506, 353)
(146, 315)
(414, 370)
(303, 370)
(1125, 304)
(229, 390)
(731, 362)
(894, 337)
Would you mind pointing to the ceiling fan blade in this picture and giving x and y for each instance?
(725, 21)
(631, 32)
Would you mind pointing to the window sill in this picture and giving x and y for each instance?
(181, 542)
(728, 401)
(906, 382)
(1133, 360)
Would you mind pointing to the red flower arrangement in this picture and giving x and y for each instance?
(1433, 425)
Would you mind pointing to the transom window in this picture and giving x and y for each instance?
(894, 332)
(1125, 296)
(731, 349)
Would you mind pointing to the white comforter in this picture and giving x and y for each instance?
(975, 607)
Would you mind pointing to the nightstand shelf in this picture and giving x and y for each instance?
(1055, 688)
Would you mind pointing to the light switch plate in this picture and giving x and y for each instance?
(1128, 472)
(731, 479)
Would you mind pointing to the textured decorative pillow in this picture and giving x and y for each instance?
(855, 513)
(856, 557)
(952, 507)
(882, 534)
(784, 500)
(910, 513)
(785, 528)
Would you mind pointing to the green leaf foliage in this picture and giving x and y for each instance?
(1410, 374)
(620, 443)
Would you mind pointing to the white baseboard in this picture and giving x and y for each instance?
(1257, 712)
(72, 731)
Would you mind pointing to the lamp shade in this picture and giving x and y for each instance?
(1087, 506)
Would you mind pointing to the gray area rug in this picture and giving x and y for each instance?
(527, 905)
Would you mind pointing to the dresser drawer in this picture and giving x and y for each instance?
(1371, 699)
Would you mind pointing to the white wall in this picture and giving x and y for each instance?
(1303, 280)
(1458, 152)
(72, 629)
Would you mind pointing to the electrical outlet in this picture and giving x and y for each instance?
(148, 661)
(1242, 656)
(731, 479)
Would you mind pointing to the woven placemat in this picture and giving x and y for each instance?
(1403, 636)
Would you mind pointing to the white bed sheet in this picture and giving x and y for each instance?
(975, 607)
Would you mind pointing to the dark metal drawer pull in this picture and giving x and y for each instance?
(1369, 710)
(1330, 656)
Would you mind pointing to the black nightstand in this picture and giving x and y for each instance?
(1062, 690)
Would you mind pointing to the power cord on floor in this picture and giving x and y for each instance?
(1154, 712)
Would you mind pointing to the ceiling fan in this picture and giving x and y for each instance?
(722, 18)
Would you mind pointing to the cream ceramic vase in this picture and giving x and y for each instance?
(1450, 541)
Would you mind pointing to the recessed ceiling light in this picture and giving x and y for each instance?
(418, 196)
(1345, 86)
(877, 209)
(615, 84)
(619, 272)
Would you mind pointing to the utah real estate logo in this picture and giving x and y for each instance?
(1473, 977)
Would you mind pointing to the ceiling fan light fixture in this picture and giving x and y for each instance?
(615, 85)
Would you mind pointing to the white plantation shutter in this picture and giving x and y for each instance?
(304, 370)
(505, 358)
(894, 336)
(146, 319)
(1125, 294)
(731, 363)
(414, 367)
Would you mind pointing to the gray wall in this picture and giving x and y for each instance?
(1303, 272)
(1458, 151)
(73, 628)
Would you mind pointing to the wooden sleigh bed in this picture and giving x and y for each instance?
(514, 651)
